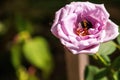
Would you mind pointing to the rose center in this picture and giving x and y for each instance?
(83, 30)
(86, 24)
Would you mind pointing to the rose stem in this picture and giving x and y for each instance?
(112, 76)
(98, 57)
(116, 45)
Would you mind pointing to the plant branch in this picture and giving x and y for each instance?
(98, 57)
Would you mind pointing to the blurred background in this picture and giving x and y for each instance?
(28, 50)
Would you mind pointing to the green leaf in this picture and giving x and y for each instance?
(107, 48)
(22, 24)
(22, 74)
(106, 58)
(116, 64)
(94, 73)
(37, 52)
(90, 72)
(118, 75)
(101, 75)
(118, 39)
(16, 55)
(3, 28)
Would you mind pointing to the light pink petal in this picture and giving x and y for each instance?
(111, 31)
(101, 12)
(68, 24)
(62, 13)
(54, 30)
(61, 34)
(55, 24)
(84, 45)
(68, 44)
(98, 15)
(90, 50)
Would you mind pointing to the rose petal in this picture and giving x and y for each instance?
(68, 24)
(91, 50)
(111, 31)
(61, 33)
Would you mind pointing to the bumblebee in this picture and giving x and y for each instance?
(86, 24)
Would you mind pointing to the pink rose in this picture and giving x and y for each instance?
(82, 26)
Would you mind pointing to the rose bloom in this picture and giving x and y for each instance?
(83, 26)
